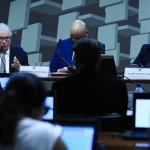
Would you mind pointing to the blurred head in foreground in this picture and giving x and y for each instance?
(87, 54)
(24, 96)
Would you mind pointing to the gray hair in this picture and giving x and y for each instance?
(4, 26)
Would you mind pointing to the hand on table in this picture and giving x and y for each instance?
(16, 63)
(63, 70)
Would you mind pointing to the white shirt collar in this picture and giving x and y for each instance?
(8, 51)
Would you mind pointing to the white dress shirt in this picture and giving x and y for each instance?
(34, 134)
(7, 60)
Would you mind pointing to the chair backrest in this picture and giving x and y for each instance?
(107, 65)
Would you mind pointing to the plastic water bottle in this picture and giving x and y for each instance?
(138, 89)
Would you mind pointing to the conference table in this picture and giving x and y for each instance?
(130, 85)
(56, 78)
(113, 141)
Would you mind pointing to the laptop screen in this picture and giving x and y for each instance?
(78, 137)
(142, 113)
(3, 81)
(49, 108)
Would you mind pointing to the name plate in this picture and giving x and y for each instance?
(137, 73)
(40, 71)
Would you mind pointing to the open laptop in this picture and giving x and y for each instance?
(141, 117)
(78, 134)
(107, 65)
(49, 105)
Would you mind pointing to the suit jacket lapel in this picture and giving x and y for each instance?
(10, 59)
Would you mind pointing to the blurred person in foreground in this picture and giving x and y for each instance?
(21, 108)
(90, 92)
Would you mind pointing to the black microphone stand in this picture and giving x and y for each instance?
(69, 67)
(135, 83)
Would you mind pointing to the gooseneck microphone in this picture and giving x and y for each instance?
(123, 76)
(69, 67)
(59, 44)
(148, 65)
(2, 61)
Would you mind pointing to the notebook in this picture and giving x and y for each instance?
(78, 134)
(49, 106)
(141, 117)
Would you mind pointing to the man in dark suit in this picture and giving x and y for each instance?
(89, 92)
(143, 58)
(12, 57)
(63, 55)
(17, 55)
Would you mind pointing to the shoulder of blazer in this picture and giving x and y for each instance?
(145, 48)
(102, 44)
(66, 41)
(17, 48)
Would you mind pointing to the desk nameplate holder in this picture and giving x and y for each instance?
(40, 71)
(137, 73)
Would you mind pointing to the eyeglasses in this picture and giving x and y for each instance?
(7, 38)
(84, 36)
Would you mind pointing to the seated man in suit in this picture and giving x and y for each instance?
(90, 92)
(63, 55)
(12, 57)
(143, 58)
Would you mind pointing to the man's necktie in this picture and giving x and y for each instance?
(3, 63)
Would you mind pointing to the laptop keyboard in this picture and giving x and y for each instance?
(140, 134)
(136, 135)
